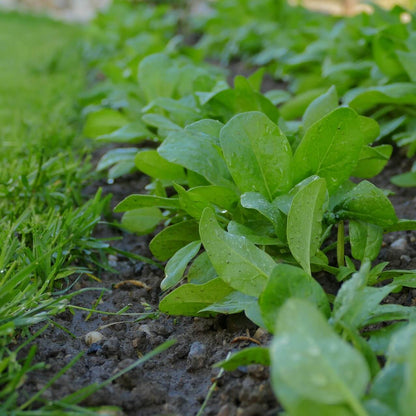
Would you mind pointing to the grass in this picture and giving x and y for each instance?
(45, 226)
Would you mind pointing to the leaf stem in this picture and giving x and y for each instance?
(341, 244)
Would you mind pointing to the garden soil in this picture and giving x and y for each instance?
(177, 381)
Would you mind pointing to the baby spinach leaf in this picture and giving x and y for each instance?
(254, 236)
(195, 200)
(165, 244)
(189, 299)
(320, 107)
(252, 355)
(286, 282)
(304, 222)
(157, 76)
(142, 220)
(176, 265)
(408, 61)
(372, 160)
(138, 201)
(367, 203)
(365, 240)
(133, 132)
(313, 361)
(161, 122)
(297, 105)
(209, 127)
(363, 99)
(235, 302)
(199, 153)
(322, 150)
(270, 210)
(253, 141)
(237, 261)
(103, 121)
(228, 102)
(152, 164)
(201, 270)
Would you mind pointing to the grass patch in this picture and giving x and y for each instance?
(45, 227)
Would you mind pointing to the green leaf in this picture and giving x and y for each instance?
(406, 180)
(201, 270)
(228, 102)
(372, 160)
(103, 121)
(363, 99)
(176, 265)
(138, 201)
(199, 153)
(116, 156)
(189, 299)
(296, 106)
(253, 355)
(134, 132)
(365, 240)
(235, 302)
(312, 360)
(237, 261)
(304, 222)
(142, 220)
(408, 61)
(155, 166)
(322, 150)
(171, 239)
(253, 141)
(286, 282)
(157, 76)
(161, 122)
(253, 235)
(385, 56)
(401, 225)
(367, 203)
(356, 303)
(320, 107)
(195, 200)
(270, 210)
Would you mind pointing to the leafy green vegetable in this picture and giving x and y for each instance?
(304, 221)
(237, 261)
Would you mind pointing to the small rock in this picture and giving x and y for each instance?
(111, 346)
(400, 244)
(227, 410)
(261, 335)
(197, 356)
(93, 337)
(94, 348)
(405, 258)
(258, 371)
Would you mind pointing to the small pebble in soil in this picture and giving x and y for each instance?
(93, 337)
(399, 244)
(94, 348)
(111, 346)
(197, 356)
(227, 410)
(405, 258)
